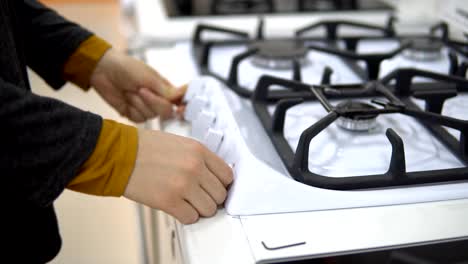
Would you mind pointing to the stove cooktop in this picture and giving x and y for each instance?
(342, 115)
(263, 185)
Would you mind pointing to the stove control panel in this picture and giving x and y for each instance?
(212, 122)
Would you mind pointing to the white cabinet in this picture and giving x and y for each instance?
(162, 241)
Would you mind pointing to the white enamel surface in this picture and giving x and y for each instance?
(452, 108)
(218, 239)
(440, 65)
(334, 232)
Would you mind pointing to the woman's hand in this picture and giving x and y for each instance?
(134, 89)
(178, 175)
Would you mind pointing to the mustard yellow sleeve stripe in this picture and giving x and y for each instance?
(80, 65)
(108, 169)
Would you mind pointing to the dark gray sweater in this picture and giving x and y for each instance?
(43, 142)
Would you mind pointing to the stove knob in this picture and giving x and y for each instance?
(195, 87)
(221, 121)
(194, 107)
(211, 86)
(212, 139)
(228, 149)
(201, 124)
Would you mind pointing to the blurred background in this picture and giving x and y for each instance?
(233, 7)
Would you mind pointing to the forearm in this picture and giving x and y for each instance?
(44, 143)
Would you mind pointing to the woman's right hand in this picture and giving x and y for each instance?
(178, 175)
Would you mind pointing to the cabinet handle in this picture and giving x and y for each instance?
(173, 244)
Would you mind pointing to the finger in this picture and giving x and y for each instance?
(180, 111)
(122, 109)
(213, 186)
(184, 212)
(201, 201)
(115, 99)
(135, 115)
(218, 167)
(141, 106)
(178, 95)
(160, 85)
(156, 103)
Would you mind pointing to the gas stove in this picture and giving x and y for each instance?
(330, 121)
(269, 222)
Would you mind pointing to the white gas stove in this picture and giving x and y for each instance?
(263, 186)
(228, 125)
(270, 216)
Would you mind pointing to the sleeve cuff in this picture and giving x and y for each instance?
(108, 169)
(80, 65)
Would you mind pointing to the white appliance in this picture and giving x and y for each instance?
(266, 208)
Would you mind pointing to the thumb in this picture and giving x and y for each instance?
(159, 84)
(178, 94)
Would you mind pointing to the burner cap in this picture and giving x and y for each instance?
(279, 54)
(356, 122)
(424, 49)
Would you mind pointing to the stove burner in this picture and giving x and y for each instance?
(279, 54)
(356, 122)
(424, 49)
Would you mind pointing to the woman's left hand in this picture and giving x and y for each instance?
(133, 88)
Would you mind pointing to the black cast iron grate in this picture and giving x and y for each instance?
(202, 49)
(398, 100)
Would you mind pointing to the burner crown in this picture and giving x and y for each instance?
(356, 122)
(424, 49)
(279, 54)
